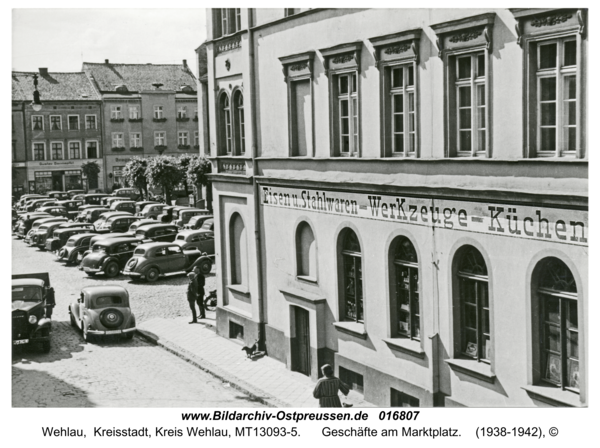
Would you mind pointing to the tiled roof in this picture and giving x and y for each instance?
(138, 77)
(53, 87)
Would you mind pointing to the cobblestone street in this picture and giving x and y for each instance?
(110, 372)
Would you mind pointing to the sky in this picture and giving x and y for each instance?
(61, 39)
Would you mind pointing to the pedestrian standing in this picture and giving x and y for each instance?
(192, 295)
(200, 282)
(327, 389)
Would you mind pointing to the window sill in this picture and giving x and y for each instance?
(240, 289)
(136, 148)
(135, 120)
(553, 396)
(117, 120)
(352, 328)
(159, 120)
(182, 120)
(479, 370)
(406, 345)
(306, 278)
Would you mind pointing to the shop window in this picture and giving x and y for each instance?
(90, 122)
(473, 297)
(225, 125)
(74, 150)
(73, 122)
(353, 380)
(236, 331)
(403, 400)
(55, 122)
(405, 306)
(306, 252)
(73, 180)
(558, 327)
(239, 124)
(39, 151)
(352, 290)
(37, 122)
(227, 21)
(92, 149)
(57, 150)
(238, 255)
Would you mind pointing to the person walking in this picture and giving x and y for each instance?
(327, 389)
(200, 283)
(192, 295)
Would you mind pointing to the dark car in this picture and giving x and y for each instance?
(123, 206)
(109, 256)
(91, 214)
(24, 223)
(108, 200)
(184, 216)
(72, 207)
(157, 232)
(58, 195)
(62, 235)
(37, 203)
(118, 223)
(103, 310)
(40, 222)
(72, 252)
(81, 211)
(152, 260)
(202, 240)
(103, 217)
(131, 193)
(28, 197)
(54, 210)
(32, 303)
(44, 232)
(139, 206)
(196, 222)
(93, 198)
(139, 223)
(72, 193)
(171, 213)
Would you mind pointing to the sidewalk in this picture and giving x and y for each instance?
(266, 380)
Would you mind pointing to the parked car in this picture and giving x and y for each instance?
(151, 211)
(81, 211)
(37, 203)
(139, 223)
(108, 200)
(40, 222)
(123, 206)
(195, 223)
(103, 236)
(103, 310)
(32, 303)
(72, 207)
(131, 193)
(118, 223)
(79, 197)
(73, 193)
(62, 235)
(139, 206)
(93, 198)
(58, 195)
(109, 256)
(106, 215)
(91, 214)
(55, 210)
(28, 197)
(157, 232)
(76, 246)
(43, 232)
(171, 213)
(184, 216)
(152, 260)
(25, 222)
(202, 240)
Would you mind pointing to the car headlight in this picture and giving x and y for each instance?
(32, 319)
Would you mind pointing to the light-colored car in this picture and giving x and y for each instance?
(151, 211)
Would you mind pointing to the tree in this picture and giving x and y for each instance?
(183, 162)
(91, 170)
(134, 174)
(197, 174)
(163, 172)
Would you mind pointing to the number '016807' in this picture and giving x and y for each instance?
(398, 415)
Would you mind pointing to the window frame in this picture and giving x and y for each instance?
(116, 112)
(414, 312)
(135, 140)
(158, 112)
(33, 150)
(229, 21)
(62, 150)
(182, 112)
(59, 122)
(158, 136)
(225, 131)
(69, 122)
(117, 139)
(183, 138)
(69, 143)
(299, 253)
(87, 127)
(33, 122)
(87, 155)
(345, 257)
(238, 124)
(136, 115)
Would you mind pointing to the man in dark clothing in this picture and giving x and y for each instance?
(200, 282)
(192, 295)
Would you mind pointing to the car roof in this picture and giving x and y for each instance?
(155, 245)
(157, 226)
(84, 235)
(187, 232)
(28, 282)
(118, 240)
(68, 229)
(95, 291)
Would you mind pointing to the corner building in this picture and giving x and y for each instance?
(403, 194)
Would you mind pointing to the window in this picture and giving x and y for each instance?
(158, 112)
(134, 112)
(354, 380)
(238, 251)
(196, 114)
(558, 338)
(402, 400)
(196, 139)
(182, 112)
(90, 122)
(469, 97)
(228, 21)
(73, 122)
(290, 11)
(39, 151)
(135, 140)
(406, 320)
(402, 110)
(160, 138)
(183, 138)
(117, 139)
(57, 150)
(347, 110)
(37, 122)
(55, 122)
(306, 252)
(351, 259)
(472, 279)
(74, 150)
(240, 131)
(115, 113)
(225, 124)
(236, 331)
(92, 150)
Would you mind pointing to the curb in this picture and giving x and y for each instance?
(239, 384)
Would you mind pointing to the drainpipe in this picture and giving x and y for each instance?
(257, 221)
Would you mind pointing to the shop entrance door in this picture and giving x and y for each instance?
(57, 181)
(301, 343)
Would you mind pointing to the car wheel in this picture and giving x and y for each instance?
(46, 346)
(205, 267)
(152, 274)
(112, 269)
(112, 318)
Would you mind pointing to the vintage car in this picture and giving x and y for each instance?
(93, 198)
(106, 201)
(106, 215)
(123, 206)
(62, 235)
(184, 216)
(151, 211)
(171, 213)
(37, 203)
(196, 222)
(39, 222)
(43, 232)
(117, 223)
(202, 240)
(58, 195)
(152, 260)
(54, 210)
(139, 206)
(72, 207)
(131, 193)
(32, 303)
(27, 220)
(91, 215)
(157, 232)
(81, 211)
(109, 256)
(103, 310)
(76, 246)
(73, 193)
(28, 197)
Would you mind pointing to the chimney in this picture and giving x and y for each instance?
(106, 61)
(43, 71)
(185, 63)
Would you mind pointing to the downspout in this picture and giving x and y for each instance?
(257, 221)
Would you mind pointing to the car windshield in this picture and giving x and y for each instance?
(139, 252)
(107, 301)
(71, 242)
(180, 237)
(99, 249)
(22, 294)
(140, 233)
(207, 224)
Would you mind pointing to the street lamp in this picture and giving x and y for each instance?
(36, 103)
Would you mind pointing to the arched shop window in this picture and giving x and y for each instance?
(559, 324)
(306, 252)
(238, 250)
(240, 131)
(406, 316)
(351, 259)
(472, 278)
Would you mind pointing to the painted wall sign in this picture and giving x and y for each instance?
(539, 223)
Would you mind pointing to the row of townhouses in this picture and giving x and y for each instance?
(106, 113)
(403, 194)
